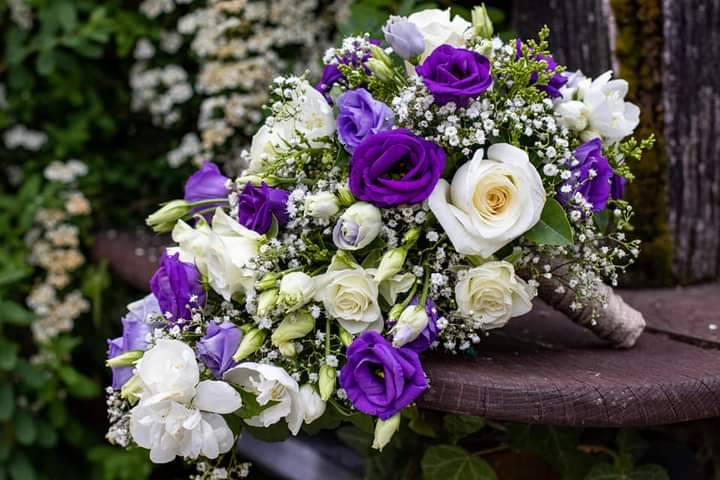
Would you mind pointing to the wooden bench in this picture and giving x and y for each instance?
(544, 369)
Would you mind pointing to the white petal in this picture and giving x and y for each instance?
(217, 397)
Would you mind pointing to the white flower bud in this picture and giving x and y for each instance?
(357, 227)
(326, 381)
(321, 205)
(410, 325)
(296, 289)
(314, 404)
(164, 219)
(384, 431)
(267, 301)
(391, 263)
(251, 343)
(126, 359)
(294, 326)
(481, 22)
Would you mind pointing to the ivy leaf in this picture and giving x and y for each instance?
(460, 426)
(447, 462)
(553, 227)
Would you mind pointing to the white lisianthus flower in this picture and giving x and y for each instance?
(321, 205)
(394, 286)
(357, 227)
(572, 114)
(491, 294)
(351, 297)
(308, 113)
(270, 383)
(491, 202)
(177, 415)
(412, 322)
(192, 243)
(313, 405)
(230, 247)
(296, 289)
(438, 28)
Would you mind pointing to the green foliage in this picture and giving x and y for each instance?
(447, 462)
(553, 227)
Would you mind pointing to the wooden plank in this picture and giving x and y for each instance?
(542, 368)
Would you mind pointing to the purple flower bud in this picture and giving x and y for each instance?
(218, 346)
(205, 184)
(258, 205)
(176, 285)
(361, 115)
(590, 176)
(404, 37)
(429, 335)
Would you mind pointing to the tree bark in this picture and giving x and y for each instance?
(691, 98)
(580, 31)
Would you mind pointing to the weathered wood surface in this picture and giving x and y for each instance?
(544, 369)
(691, 96)
(579, 33)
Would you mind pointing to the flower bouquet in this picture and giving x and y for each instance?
(418, 197)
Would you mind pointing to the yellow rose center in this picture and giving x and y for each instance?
(493, 195)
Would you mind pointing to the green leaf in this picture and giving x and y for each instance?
(553, 227)
(417, 422)
(25, 431)
(20, 467)
(14, 313)
(6, 445)
(8, 354)
(7, 400)
(447, 462)
(274, 433)
(606, 471)
(460, 426)
(78, 384)
(602, 220)
(66, 15)
(45, 62)
(29, 374)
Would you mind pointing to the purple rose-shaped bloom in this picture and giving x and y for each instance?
(176, 285)
(205, 184)
(429, 335)
(394, 167)
(591, 174)
(381, 380)
(218, 346)
(360, 115)
(404, 37)
(617, 187)
(258, 205)
(135, 331)
(555, 83)
(455, 75)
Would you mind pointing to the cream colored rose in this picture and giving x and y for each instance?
(351, 296)
(491, 294)
(491, 201)
(438, 28)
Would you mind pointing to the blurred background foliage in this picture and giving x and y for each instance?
(64, 71)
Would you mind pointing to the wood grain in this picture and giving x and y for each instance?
(542, 368)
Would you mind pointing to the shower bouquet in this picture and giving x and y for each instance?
(418, 196)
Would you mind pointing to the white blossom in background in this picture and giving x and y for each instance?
(21, 13)
(3, 97)
(20, 136)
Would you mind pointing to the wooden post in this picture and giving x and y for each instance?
(691, 98)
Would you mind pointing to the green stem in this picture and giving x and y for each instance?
(426, 284)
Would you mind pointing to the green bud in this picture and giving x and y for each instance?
(391, 263)
(326, 382)
(294, 326)
(380, 70)
(342, 260)
(287, 350)
(126, 359)
(257, 180)
(384, 431)
(345, 337)
(250, 344)
(131, 390)
(164, 219)
(246, 328)
(268, 281)
(266, 301)
(345, 196)
(395, 312)
(379, 54)
(411, 236)
(481, 22)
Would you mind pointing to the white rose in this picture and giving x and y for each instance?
(572, 114)
(357, 227)
(351, 296)
(438, 28)
(308, 113)
(609, 115)
(296, 289)
(231, 246)
(410, 325)
(491, 201)
(321, 205)
(270, 383)
(313, 406)
(491, 294)
(177, 415)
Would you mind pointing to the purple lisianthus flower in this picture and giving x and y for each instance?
(218, 346)
(394, 167)
(355, 57)
(590, 176)
(360, 115)
(205, 184)
(555, 83)
(404, 37)
(381, 380)
(176, 285)
(455, 75)
(258, 205)
(134, 337)
(330, 76)
(429, 335)
(617, 187)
